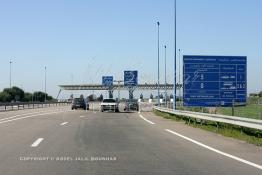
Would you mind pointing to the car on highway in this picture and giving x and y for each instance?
(109, 105)
(80, 103)
(131, 105)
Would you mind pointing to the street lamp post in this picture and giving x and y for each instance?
(179, 77)
(10, 78)
(174, 98)
(45, 83)
(158, 98)
(165, 80)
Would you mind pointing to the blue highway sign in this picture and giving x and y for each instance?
(107, 81)
(130, 78)
(214, 80)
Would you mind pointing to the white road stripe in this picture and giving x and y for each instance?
(37, 142)
(82, 116)
(10, 117)
(215, 150)
(19, 115)
(30, 116)
(152, 123)
(63, 123)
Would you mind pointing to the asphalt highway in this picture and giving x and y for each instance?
(59, 141)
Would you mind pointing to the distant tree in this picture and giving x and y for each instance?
(253, 95)
(260, 94)
(16, 93)
(40, 96)
(28, 97)
(5, 97)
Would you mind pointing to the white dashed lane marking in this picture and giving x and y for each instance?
(37, 142)
(62, 124)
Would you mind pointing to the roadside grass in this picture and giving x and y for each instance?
(250, 111)
(248, 135)
(253, 109)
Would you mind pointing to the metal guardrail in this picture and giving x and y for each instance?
(239, 121)
(29, 105)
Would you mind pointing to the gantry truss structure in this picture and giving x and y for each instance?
(111, 89)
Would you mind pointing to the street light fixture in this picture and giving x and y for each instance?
(45, 83)
(10, 80)
(158, 98)
(179, 76)
(174, 98)
(165, 80)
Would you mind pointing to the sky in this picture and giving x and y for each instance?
(80, 41)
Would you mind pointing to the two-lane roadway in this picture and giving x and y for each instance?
(60, 141)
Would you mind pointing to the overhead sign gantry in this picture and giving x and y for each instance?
(107, 81)
(131, 81)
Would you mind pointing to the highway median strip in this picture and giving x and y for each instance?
(215, 150)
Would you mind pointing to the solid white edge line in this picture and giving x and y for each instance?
(152, 123)
(64, 123)
(37, 142)
(215, 150)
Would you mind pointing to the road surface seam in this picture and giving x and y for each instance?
(152, 123)
(37, 142)
(215, 150)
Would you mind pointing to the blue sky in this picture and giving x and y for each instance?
(79, 41)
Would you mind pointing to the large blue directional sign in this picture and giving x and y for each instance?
(214, 80)
(107, 81)
(130, 78)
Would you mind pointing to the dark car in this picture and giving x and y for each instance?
(80, 103)
(131, 105)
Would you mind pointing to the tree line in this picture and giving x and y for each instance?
(256, 94)
(16, 94)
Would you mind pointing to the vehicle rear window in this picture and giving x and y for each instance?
(109, 101)
(133, 100)
(78, 100)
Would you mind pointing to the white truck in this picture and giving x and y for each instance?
(109, 105)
